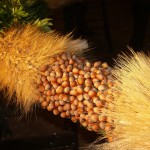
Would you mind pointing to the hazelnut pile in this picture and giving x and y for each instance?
(75, 88)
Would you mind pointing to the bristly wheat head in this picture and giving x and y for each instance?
(132, 105)
(23, 51)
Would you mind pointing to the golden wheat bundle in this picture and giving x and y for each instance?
(131, 112)
(23, 50)
(46, 68)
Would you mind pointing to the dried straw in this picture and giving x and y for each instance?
(132, 105)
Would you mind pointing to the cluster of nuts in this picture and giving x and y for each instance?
(77, 89)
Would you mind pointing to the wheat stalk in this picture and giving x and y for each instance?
(23, 50)
(132, 105)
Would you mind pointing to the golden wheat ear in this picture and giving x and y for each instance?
(132, 104)
(23, 51)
